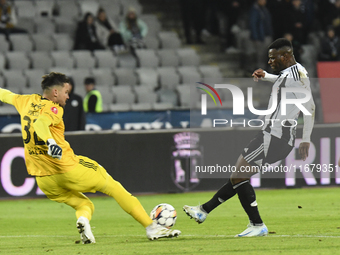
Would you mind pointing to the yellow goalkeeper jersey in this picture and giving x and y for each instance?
(38, 162)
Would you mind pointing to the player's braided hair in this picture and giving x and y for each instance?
(52, 79)
(280, 43)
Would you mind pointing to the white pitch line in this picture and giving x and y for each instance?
(204, 236)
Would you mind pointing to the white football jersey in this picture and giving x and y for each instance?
(284, 126)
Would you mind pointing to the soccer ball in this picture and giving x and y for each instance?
(164, 215)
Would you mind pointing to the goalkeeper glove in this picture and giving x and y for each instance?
(54, 150)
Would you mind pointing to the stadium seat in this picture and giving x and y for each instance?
(34, 90)
(26, 23)
(154, 26)
(84, 59)
(25, 8)
(123, 98)
(151, 42)
(141, 107)
(21, 42)
(167, 95)
(126, 60)
(168, 57)
(188, 96)
(105, 59)
(168, 77)
(189, 74)
(63, 41)
(104, 76)
(123, 94)
(125, 76)
(169, 40)
(14, 79)
(147, 58)
(34, 77)
(107, 96)
(44, 25)
(210, 72)
(2, 62)
(2, 81)
(69, 9)
(145, 94)
(4, 45)
(43, 42)
(123, 107)
(79, 76)
(8, 109)
(41, 60)
(59, 69)
(188, 57)
(44, 8)
(148, 77)
(88, 6)
(65, 26)
(62, 59)
(162, 106)
(17, 60)
(112, 7)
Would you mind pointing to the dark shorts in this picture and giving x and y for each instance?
(266, 149)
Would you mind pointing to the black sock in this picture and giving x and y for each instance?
(247, 197)
(222, 195)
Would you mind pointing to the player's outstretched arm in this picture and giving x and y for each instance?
(7, 96)
(41, 127)
(260, 74)
(307, 129)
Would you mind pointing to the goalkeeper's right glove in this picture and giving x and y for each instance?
(54, 150)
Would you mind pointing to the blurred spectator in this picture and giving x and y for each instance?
(86, 35)
(108, 33)
(93, 100)
(193, 18)
(324, 8)
(334, 17)
(8, 20)
(278, 10)
(261, 31)
(297, 48)
(74, 115)
(330, 46)
(133, 30)
(233, 11)
(296, 22)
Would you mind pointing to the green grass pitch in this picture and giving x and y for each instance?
(44, 227)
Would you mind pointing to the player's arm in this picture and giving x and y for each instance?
(262, 75)
(42, 128)
(307, 129)
(7, 96)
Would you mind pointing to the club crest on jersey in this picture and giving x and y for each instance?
(54, 110)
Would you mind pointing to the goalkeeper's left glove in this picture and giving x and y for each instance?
(54, 150)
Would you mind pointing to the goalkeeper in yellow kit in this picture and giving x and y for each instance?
(60, 174)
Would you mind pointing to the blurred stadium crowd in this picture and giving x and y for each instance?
(136, 63)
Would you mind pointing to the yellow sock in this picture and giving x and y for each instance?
(127, 202)
(140, 215)
(84, 211)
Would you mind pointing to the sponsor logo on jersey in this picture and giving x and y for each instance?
(54, 110)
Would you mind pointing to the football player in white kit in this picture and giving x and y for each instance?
(273, 143)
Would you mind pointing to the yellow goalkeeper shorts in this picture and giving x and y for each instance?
(88, 176)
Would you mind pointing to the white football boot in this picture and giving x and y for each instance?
(84, 229)
(254, 231)
(196, 213)
(155, 231)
